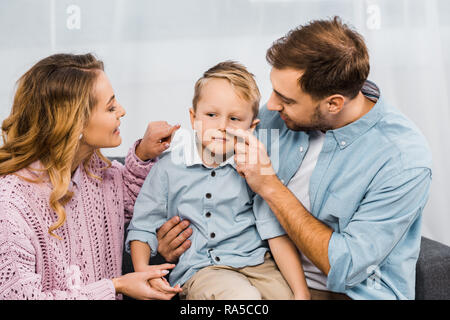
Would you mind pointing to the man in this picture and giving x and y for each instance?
(353, 173)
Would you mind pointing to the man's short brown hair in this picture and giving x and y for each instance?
(240, 79)
(333, 57)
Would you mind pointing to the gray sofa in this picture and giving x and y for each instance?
(432, 269)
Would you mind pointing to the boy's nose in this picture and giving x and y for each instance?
(223, 124)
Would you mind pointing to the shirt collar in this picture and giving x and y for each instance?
(346, 135)
(187, 140)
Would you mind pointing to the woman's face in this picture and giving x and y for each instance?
(102, 130)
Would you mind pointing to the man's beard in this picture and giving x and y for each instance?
(317, 121)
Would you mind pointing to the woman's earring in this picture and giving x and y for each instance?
(81, 137)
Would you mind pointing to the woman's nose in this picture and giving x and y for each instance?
(122, 111)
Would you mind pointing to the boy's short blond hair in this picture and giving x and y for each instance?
(241, 80)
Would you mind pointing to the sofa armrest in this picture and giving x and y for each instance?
(120, 159)
(433, 271)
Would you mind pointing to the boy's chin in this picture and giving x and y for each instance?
(219, 151)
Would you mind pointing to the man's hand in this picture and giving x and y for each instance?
(310, 235)
(156, 139)
(173, 238)
(252, 161)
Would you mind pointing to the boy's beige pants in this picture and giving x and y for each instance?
(263, 281)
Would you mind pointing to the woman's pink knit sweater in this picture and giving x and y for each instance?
(35, 265)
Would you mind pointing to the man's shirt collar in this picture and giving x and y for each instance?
(346, 135)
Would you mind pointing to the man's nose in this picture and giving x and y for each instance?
(273, 104)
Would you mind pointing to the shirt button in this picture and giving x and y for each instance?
(208, 214)
(213, 173)
(208, 195)
(212, 235)
(217, 259)
(343, 143)
(301, 149)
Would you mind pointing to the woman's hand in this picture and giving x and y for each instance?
(137, 284)
(156, 139)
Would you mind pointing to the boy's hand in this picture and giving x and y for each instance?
(163, 286)
(156, 139)
(160, 283)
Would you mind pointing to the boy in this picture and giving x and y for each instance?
(228, 258)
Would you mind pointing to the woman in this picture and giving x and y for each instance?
(63, 205)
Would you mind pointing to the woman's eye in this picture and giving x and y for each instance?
(112, 108)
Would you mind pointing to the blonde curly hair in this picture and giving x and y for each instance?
(52, 105)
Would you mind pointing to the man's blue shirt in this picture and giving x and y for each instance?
(370, 185)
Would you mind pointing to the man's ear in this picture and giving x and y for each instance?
(335, 103)
(254, 124)
(192, 116)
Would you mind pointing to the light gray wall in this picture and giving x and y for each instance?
(154, 50)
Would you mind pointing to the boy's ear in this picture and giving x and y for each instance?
(254, 124)
(192, 116)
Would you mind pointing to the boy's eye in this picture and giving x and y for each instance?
(234, 119)
(210, 114)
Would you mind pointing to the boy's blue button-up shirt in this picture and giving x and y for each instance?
(217, 202)
(370, 185)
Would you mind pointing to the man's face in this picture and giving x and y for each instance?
(298, 109)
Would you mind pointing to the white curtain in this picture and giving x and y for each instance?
(154, 51)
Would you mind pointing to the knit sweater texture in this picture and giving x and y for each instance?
(36, 265)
